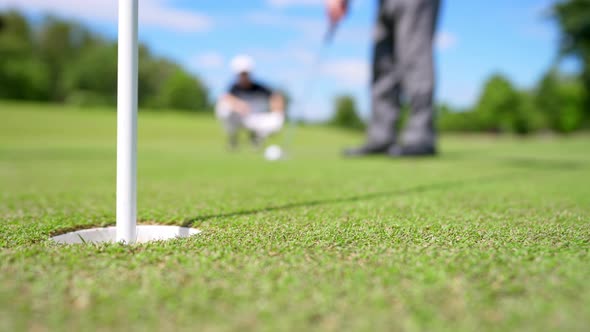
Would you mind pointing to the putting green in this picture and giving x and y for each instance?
(492, 235)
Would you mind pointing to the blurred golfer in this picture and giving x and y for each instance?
(402, 70)
(250, 105)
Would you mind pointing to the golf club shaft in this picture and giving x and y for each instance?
(308, 88)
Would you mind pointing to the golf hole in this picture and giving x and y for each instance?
(145, 233)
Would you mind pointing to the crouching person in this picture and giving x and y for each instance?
(250, 106)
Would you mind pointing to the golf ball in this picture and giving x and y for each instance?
(273, 152)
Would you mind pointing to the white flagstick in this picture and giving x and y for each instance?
(127, 123)
(126, 229)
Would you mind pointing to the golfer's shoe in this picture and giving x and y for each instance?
(232, 143)
(366, 150)
(411, 151)
(256, 140)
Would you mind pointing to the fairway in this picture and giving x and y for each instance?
(493, 235)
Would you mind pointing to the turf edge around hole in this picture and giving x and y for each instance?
(145, 233)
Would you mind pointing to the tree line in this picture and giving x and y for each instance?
(559, 102)
(57, 60)
(556, 104)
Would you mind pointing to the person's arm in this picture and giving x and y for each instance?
(336, 10)
(236, 104)
(277, 103)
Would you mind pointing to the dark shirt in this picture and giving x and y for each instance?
(254, 91)
(257, 96)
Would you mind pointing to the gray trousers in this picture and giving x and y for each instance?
(403, 69)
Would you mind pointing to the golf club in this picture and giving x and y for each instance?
(274, 152)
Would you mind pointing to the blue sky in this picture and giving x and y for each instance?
(475, 39)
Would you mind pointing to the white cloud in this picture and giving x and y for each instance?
(286, 56)
(354, 72)
(91, 9)
(459, 94)
(207, 60)
(310, 29)
(445, 40)
(271, 19)
(289, 3)
(155, 13)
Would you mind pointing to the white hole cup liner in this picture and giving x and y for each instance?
(145, 234)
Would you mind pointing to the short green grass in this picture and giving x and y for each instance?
(491, 236)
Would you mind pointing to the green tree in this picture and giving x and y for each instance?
(63, 61)
(526, 119)
(153, 74)
(22, 74)
(184, 92)
(61, 42)
(571, 114)
(457, 120)
(498, 104)
(573, 17)
(92, 77)
(561, 101)
(547, 98)
(346, 114)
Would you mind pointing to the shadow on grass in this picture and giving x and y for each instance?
(515, 161)
(544, 164)
(522, 163)
(419, 189)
